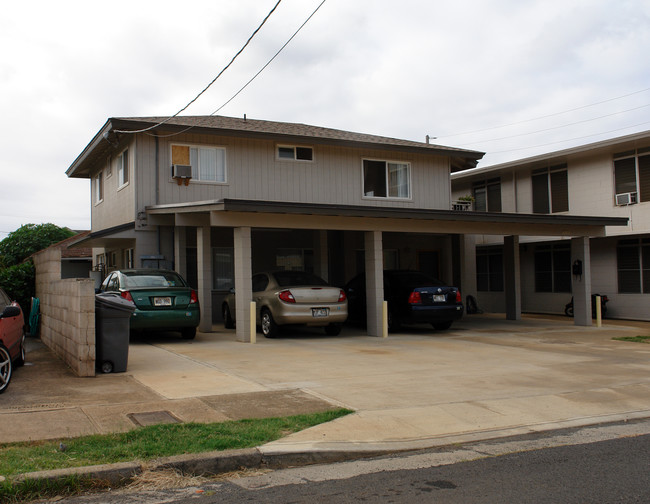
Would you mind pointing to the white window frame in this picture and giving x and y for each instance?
(99, 187)
(387, 162)
(196, 170)
(294, 149)
(122, 173)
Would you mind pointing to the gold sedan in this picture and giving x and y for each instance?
(292, 298)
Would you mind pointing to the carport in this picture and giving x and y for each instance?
(242, 216)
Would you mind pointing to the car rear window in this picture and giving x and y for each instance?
(289, 278)
(137, 279)
(416, 279)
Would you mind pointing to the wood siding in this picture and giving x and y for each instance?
(254, 172)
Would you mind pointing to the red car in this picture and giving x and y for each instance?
(12, 339)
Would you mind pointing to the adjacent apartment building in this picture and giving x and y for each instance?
(608, 178)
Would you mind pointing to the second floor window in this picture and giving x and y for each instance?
(487, 195)
(295, 153)
(386, 179)
(550, 190)
(632, 176)
(208, 163)
(123, 168)
(99, 187)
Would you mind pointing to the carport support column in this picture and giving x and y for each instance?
(243, 282)
(512, 272)
(581, 284)
(180, 251)
(374, 282)
(204, 270)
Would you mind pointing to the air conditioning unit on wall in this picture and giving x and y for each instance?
(623, 199)
(182, 173)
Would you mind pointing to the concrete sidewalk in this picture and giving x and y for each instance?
(484, 378)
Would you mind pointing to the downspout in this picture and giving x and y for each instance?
(157, 182)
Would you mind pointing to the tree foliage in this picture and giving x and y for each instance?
(27, 240)
(18, 281)
(17, 276)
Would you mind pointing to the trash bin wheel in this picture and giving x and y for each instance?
(107, 367)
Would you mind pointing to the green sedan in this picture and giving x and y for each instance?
(163, 300)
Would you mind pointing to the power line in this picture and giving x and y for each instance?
(557, 127)
(213, 80)
(545, 116)
(570, 139)
(257, 74)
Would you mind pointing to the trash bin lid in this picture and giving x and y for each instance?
(112, 300)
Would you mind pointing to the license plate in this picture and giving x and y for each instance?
(439, 298)
(162, 301)
(319, 312)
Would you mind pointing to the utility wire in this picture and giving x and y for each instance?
(213, 80)
(570, 139)
(556, 127)
(257, 74)
(545, 116)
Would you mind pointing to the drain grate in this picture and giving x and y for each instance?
(152, 418)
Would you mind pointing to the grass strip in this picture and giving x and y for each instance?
(635, 339)
(146, 443)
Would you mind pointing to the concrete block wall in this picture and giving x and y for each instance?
(67, 313)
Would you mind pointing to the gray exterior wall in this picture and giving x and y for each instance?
(253, 172)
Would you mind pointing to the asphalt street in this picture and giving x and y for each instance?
(604, 464)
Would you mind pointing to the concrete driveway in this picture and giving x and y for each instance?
(486, 377)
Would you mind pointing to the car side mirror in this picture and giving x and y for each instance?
(232, 290)
(10, 311)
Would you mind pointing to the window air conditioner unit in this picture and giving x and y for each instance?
(182, 173)
(623, 199)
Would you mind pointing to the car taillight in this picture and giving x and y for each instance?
(342, 296)
(459, 298)
(127, 295)
(194, 297)
(286, 296)
(415, 298)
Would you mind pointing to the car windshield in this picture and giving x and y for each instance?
(289, 278)
(135, 279)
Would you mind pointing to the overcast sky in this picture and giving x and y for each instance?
(558, 73)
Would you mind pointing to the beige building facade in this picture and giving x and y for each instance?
(609, 178)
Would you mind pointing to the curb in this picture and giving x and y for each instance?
(212, 463)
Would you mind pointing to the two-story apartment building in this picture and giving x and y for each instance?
(610, 178)
(217, 198)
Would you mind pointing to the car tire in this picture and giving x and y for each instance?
(442, 326)
(269, 328)
(6, 368)
(228, 322)
(333, 329)
(20, 360)
(188, 333)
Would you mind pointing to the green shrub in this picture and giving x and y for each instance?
(18, 282)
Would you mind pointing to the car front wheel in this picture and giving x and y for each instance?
(269, 328)
(20, 361)
(6, 368)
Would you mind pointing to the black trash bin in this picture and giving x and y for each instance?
(112, 323)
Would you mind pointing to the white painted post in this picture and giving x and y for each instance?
(384, 315)
(253, 322)
(599, 313)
